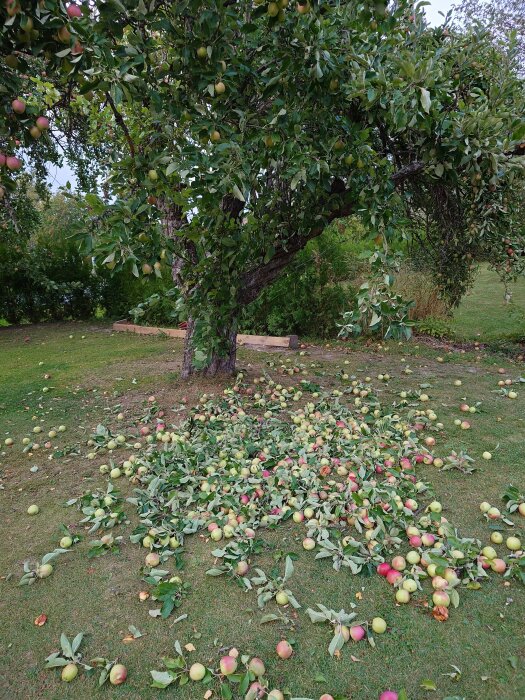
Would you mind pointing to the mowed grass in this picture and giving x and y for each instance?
(484, 314)
(92, 378)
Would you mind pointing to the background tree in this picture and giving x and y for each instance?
(504, 19)
(238, 132)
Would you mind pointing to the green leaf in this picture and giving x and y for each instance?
(76, 642)
(243, 685)
(226, 693)
(238, 194)
(66, 646)
(161, 679)
(288, 569)
(336, 644)
(425, 99)
(270, 618)
(428, 684)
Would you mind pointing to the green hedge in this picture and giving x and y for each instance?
(310, 296)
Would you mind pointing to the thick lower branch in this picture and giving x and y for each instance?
(256, 279)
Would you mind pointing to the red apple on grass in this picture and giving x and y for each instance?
(284, 650)
(228, 665)
(118, 674)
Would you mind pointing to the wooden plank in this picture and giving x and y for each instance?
(242, 339)
(278, 342)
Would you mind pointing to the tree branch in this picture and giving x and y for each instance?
(408, 171)
(519, 150)
(260, 277)
(120, 121)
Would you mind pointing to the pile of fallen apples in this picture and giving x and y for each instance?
(337, 463)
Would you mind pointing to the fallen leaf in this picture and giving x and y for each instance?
(513, 661)
(41, 620)
(128, 638)
(428, 684)
(440, 613)
(189, 647)
(208, 694)
(355, 659)
(135, 632)
(359, 595)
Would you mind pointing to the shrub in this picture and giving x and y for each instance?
(315, 289)
(158, 309)
(122, 293)
(419, 286)
(378, 309)
(435, 328)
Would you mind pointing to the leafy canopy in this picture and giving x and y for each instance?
(238, 130)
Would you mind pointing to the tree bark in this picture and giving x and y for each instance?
(187, 364)
(219, 364)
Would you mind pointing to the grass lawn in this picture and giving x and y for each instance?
(484, 315)
(96, 374)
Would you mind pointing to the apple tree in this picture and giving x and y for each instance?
(235, 131)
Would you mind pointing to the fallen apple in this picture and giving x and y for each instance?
(197, 672)
(44, 571)
(118, 674)
(441, 598)
(402, 596)
(152, 559)
(378, 625)
(399, 563)
(513, 543)
(284, 650)
(281, 598)
(409, 585)
(69, 672)
(357, 633)
(275, 694)
(228, 665)
(256, 666)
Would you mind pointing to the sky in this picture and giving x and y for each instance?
(435, 7)
(58, 177)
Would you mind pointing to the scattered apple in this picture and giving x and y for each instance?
(118, 674)
(69, 672)
(228, 665)
(378, 625)
(197, 672)
(284, 650)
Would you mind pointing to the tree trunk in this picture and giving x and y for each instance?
(219, 364)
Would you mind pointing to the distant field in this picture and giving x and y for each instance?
(484, 314)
